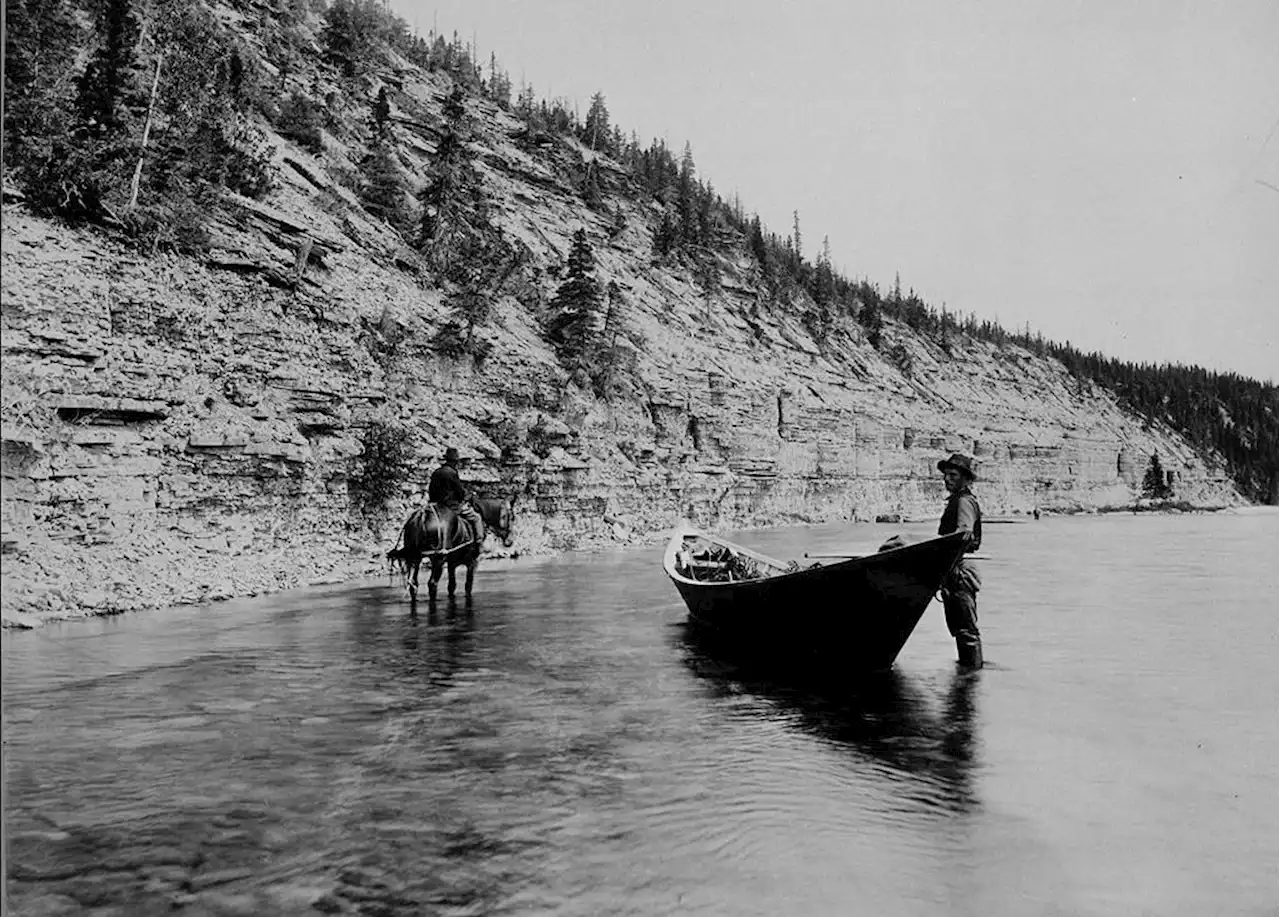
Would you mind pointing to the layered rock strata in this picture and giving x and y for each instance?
(176, 433)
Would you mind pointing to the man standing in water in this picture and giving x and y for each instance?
(960, 588)
(446, 489)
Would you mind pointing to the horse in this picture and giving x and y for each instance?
(439, 534)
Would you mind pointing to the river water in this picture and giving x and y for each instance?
(563, 747)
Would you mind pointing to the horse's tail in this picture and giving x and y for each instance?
(397, 559)
(403, 558)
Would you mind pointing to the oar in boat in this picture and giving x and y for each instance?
(853, 556)
(747, 552)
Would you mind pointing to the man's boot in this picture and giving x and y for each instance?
(970, 653)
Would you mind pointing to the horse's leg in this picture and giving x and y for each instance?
(471, 572)
(413, 582)
(453, 581)
(436, 564)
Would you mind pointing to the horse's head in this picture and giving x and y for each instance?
(500, 517)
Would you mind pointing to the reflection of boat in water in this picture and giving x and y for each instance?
(853, 614)
(889, 716)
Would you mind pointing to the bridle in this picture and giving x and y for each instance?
(503, 532)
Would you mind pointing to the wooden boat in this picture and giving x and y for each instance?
(854, 614)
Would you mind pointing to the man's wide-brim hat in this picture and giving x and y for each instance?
(451, 454)
(961, 463)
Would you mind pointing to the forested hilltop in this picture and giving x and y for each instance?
(263, 260)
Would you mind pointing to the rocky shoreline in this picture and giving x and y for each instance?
(59, 581)
(54, 583)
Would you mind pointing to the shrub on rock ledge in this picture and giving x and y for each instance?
(384, 463)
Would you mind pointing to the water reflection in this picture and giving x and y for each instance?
(563, 748)
(892, 717)
(435, 646)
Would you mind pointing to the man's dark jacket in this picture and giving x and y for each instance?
(446, 487)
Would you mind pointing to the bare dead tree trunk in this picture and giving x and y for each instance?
(300, 262)
(146, 135)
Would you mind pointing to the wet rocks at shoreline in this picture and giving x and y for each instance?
(61, 580)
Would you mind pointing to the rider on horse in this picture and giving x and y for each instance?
(445, 489)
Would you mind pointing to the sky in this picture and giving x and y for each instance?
(1104, 171)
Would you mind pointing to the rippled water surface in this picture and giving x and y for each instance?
(563, 747)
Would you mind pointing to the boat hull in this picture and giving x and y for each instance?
(854, 615)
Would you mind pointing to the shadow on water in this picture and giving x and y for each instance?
(891, 716)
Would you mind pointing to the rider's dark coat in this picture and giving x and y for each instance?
(446, 487)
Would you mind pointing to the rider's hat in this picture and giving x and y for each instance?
(961, 463)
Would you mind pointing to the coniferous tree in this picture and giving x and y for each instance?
(686, 205)
(619, 222)
(40, 46)
(109, 85)
(99, 143)
(301, 120)
(150, 154)
(352, 33)
(823, 294)
(381, 120)
(526, 102)
(591, 193)
(872, 322)
(499, 84)
(40, 42)
(1155, 483)
(472, 306)
(486, 265)
(454, 208)
(708, 222)
(761, 250)
(383, 187)
(665, 236)
(946, 331)
(572, 327)
(596, 128)
(204, 104)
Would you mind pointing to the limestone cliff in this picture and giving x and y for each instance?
(180, 429)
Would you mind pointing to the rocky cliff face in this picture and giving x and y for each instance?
(182, 430)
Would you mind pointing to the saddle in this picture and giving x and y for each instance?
(455, 529)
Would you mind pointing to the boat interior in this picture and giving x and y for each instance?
(706, 560)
